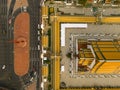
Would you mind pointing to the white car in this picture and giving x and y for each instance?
(38, 38)
(24, 8)
(39, 26)
(62, 68)
(38, 47)
(4, 66)
(95, 1)
(31, 79)
(10, 21)
(38, 32)
(42, 26)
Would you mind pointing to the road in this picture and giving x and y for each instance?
(34, 10)
(11, 7)
(7, 77)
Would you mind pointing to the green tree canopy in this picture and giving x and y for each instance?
(83, 2)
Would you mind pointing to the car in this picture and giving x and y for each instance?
(62, 68)
(42, 26)
(33, 73)
(31, 79)
(38, 32)
(4, 66)
(38, 47)
(24, 8)
(38, 38)
(95, 1)
(39, 26)
(10, 21)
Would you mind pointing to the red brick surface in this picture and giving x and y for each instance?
(21, 44)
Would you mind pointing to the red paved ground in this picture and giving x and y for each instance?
(21, 44)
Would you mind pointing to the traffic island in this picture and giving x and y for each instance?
(21, 44)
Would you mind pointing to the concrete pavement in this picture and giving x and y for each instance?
(78, 80)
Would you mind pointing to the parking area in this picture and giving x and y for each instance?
(70, 76)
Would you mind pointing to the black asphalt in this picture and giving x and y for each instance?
(10, 10)
(7, 76)
(34, 10)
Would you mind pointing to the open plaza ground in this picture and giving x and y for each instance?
(73, 79)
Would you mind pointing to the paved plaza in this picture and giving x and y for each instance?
(73, 79)
(88, 11)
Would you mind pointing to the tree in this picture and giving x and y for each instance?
(117, 2)
(68, 55)
(63, 84)
(83, 2)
